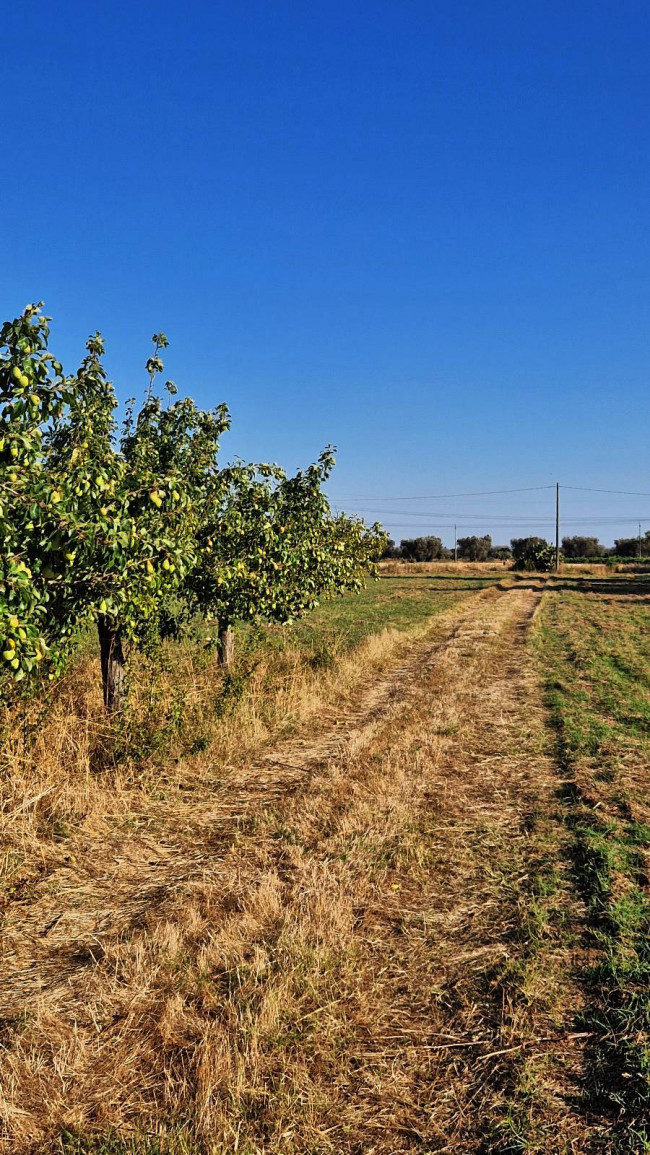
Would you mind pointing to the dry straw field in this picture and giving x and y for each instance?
(382, 888)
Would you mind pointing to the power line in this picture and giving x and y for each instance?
(624, 492)
(439, 496)
(519, 517)
(456, 514)
(494, 492)
(566, 521)
(396, 519)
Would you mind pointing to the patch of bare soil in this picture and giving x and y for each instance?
(347, 949)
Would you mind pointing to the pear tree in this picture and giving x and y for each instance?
(270, 548)
(134, 498)
(33, 394)
(133, 526)
(97, 524)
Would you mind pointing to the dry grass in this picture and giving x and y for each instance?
(72, 786)
(327, 956)
(353, 922)
(69, 778)
(594, 569)
(399, 568)
(478, 569)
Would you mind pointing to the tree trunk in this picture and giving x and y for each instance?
(113, 662)
(226, 647)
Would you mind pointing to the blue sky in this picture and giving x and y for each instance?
(415, 229)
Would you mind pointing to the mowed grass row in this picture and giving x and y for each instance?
(291, 994)
(65, 772)
(593, 644)
(179, 690)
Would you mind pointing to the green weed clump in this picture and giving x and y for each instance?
(110, 1143)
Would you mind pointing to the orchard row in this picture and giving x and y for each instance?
(138, 527)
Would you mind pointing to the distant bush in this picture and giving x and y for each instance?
(474, 548)
(579, 547)
(391, 550)
(533, 553)
(422, 549)
(633, 548)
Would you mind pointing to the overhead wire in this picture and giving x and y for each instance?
(399, 518)
(440, 496)
(623, 492)
(575, 521)
(428, 514)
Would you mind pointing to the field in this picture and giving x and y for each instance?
(382, 888)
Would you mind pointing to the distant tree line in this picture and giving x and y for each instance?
(526, 552)
(431, 549)
(582, 547)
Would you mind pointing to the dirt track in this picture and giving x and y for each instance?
(134, 874)
(401, 837)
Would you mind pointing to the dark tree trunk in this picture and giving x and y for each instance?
(113, 662)
(226, 647)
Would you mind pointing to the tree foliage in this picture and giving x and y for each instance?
(578, 546)
(391, 550)
(474, 548)
(422, 549)
(533, 553)
(631, 547)
(129, 507)
(270, 547)
(500, 553)
(33, 393)
(135, 527)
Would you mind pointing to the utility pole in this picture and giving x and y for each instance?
(456, 544)
(557, 527)
(639, 541)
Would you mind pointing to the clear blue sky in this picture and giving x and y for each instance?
(417, 229)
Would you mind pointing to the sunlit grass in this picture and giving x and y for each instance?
(594, 651)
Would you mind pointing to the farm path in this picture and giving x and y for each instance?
(73, 915)
(334, 954)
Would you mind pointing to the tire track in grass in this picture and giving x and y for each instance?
(480, 931)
